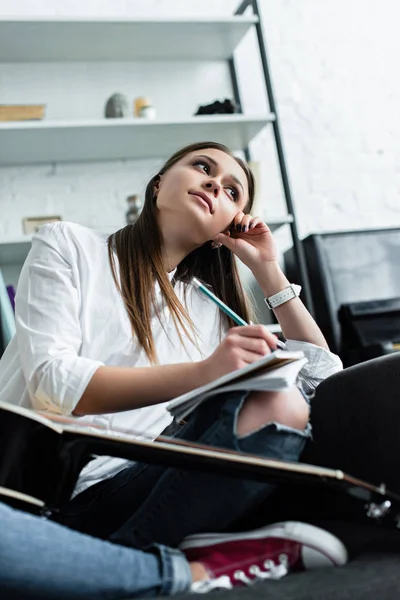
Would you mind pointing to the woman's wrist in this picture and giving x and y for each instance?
(205, 371)
(270, 278)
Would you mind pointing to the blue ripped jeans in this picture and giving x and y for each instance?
(43, 560)
(143, 504)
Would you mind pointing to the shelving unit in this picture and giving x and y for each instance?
(34, 142)
(14, 252)
(168, 39)
(121, 39)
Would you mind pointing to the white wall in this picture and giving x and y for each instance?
(334, 67)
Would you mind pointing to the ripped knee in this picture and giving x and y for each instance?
(289, 409)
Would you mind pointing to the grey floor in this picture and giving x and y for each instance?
(369, 577)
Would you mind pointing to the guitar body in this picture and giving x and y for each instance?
(41, 459)
(32, 461)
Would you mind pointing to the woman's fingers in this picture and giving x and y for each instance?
(257, 331)
(249, 357)
(243, 222)
(241, 346)
(256, 345)
(237, 222)
(255, 221)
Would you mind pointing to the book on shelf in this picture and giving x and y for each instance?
(277, 371)
(7, 318)
(22, 112)
(11, 295)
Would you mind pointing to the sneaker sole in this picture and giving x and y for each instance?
(310, 536)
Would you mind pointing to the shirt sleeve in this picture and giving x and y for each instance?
(48, 328)
(321, 363)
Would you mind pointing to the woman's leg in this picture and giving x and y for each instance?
(355, 417)
(143, 504)
(40, 559)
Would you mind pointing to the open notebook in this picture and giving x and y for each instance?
(276, 371)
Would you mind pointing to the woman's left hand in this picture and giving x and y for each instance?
(250, 239)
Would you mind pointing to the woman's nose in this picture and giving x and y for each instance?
(214, 187)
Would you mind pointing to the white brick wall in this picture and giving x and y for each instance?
(334, 67)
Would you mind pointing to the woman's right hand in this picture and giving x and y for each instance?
(240, 347)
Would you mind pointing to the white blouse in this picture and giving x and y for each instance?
(71, 319)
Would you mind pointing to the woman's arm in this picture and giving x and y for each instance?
(115, 389)
(293, 317)
(252, 242)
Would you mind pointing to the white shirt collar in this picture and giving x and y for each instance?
(171, 274)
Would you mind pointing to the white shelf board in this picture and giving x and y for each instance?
(36, 39)
(14, 252)
(275, 223)
(33, 142)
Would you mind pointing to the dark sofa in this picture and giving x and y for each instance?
(356, 425)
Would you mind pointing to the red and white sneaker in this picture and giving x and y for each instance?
(268, 553)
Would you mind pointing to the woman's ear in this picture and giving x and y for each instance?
(156, 185)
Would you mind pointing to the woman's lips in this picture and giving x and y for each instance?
(204, 199)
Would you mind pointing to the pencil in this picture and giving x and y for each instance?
(228, 311)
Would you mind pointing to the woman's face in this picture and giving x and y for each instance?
(201, 194)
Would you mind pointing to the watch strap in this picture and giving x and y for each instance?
(292, 291)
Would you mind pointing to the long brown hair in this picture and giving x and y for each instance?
(138, 248)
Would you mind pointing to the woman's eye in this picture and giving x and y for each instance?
(202, 164)
(233, 192)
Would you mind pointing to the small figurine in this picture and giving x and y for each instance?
(117, 107)
(134, 209)
(144, 108)
(217, 108)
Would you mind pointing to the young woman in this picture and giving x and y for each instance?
(111, 330)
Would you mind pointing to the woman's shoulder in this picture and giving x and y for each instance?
(70, 234)
(67, 242)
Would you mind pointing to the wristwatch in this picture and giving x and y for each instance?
(292, 291)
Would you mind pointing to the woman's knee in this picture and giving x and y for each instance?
(286, 408)
(290, 408)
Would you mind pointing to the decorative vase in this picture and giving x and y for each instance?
(144, 108)
(134, 209)
(117, 107)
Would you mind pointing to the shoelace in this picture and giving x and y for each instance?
(207, 585)
(272, 571)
